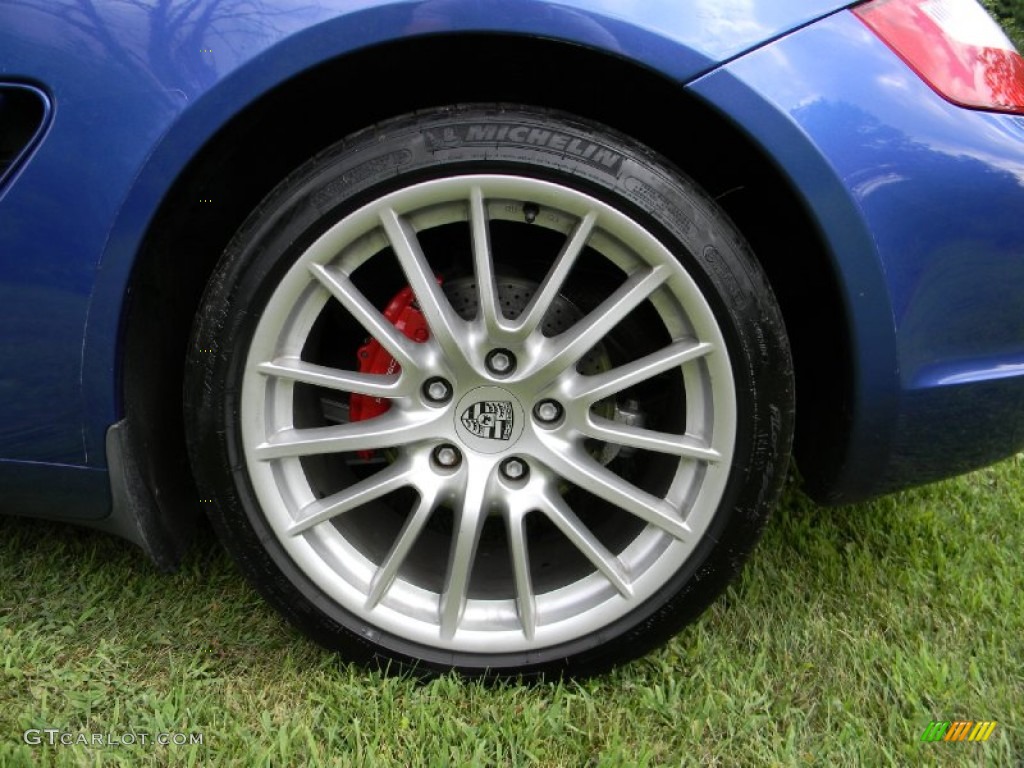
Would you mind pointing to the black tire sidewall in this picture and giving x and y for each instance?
(463, 140)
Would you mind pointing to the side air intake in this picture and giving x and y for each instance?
(23, 110)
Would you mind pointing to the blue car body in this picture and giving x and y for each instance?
(897, 249)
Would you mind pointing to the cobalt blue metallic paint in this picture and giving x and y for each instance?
(936, 302)
(56, 491)
(917, 200)
(73, 224)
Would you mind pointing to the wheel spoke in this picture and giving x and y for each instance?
(606, 283)
(590, 389)
(570, 346)
(483, 264)
(446, 327)
(388, 430)
(371, 385)
(539, 305)
(648, 440)
(581, 469)
(367, 315)
(586, 542)
(525, 598)
(469, 523)
(382, 483)
(400, 550)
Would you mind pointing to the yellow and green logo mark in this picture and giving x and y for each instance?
(959, 730)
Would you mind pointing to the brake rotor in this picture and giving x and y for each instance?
(514, 296)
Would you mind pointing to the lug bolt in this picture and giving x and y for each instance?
(437, 390)
(500, 362)
(547, 411)
(447, 455)
(514, 469)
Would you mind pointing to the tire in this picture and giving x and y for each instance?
(553, 474)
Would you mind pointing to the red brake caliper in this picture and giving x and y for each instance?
(405, 315)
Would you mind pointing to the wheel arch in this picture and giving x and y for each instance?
(256, 149)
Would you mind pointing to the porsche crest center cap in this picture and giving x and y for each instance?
(489, 419)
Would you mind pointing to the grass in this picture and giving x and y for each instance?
(849, 631)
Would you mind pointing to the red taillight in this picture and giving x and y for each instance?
(955, 46)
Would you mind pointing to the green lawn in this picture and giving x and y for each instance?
(850, 630)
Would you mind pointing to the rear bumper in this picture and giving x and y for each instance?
(944, 430)
(919, 203)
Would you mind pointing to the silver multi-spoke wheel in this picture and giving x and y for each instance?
(489, 388)
(491, 421)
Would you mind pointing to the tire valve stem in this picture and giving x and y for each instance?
(629, 413)
(530, 211)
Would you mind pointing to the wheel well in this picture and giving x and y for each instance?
(257, 149)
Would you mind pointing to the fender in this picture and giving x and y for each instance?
(235, 62)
